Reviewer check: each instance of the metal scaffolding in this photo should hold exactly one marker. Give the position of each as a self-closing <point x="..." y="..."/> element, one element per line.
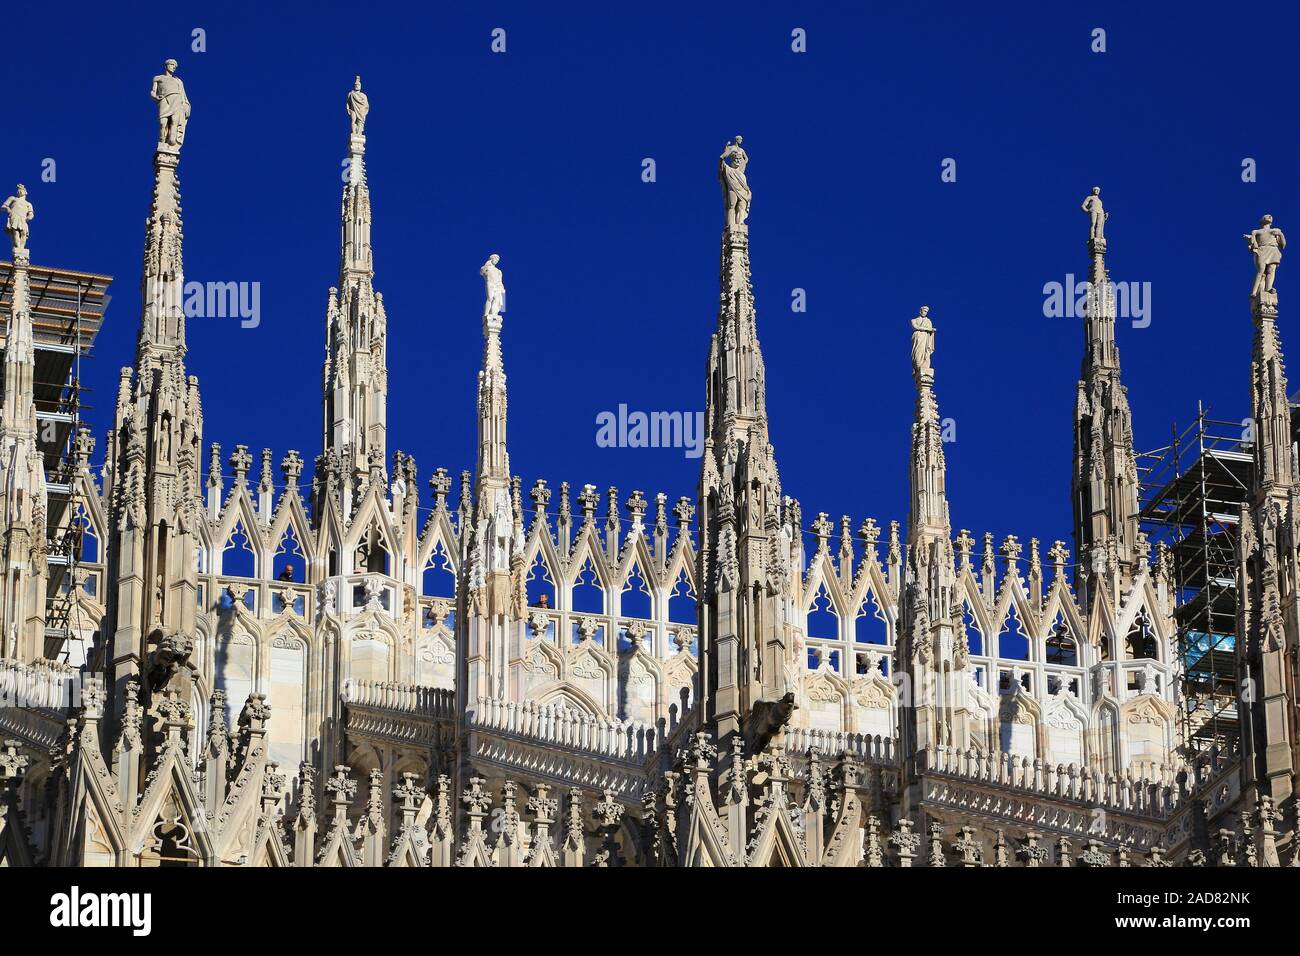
<point x="67" y="310"/>
<point x="1192" y="491"/>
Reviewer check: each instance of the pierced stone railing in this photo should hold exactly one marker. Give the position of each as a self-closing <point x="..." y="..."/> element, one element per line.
<point x="45" y="685"/>
<point x="874" y="749"/>
<point x="626" y="740"/>
<point x="1141" y="796"/>
<point x="415" y="699"/>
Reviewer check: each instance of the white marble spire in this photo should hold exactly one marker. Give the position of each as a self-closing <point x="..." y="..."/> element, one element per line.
<point x="1105" y="481"/>
<point x="356" y="352"/>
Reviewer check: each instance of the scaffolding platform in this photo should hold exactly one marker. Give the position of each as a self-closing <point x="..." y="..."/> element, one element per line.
<point x="67" y="310"/>
<point x="1192" y="492"/>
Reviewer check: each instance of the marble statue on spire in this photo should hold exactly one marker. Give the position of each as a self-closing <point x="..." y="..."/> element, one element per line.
<point x="358" y="108"/>
<point x="173" y="105"/>
<point x="20" y="213"/>
<point x="922" y="346"/>
<point x="1093" y="207"/>
<point x="735" y="187"/>
<point x="495" y="302"/>
<point x="1267" y="244"/>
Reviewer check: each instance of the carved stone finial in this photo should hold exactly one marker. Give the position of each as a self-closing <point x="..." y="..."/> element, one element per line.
<point x="684" y="511"/>
<point x="964" y="543"/>
<point x="240" y="462"/>
<point x="291" y="466"/>
<point x="13" y="764"/>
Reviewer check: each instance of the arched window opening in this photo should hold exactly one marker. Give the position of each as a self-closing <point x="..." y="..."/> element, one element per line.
<point x="636" y="595"/>
<point x="371" y="554"/>
<point x="681" y="601"/>
<point x="84" y="540"/>
<point x="439" y="579"/>
<point x="823" y="622"/>
<point x="1061" y="646"/>
<point x="1013" y="642"/>
<point x="289" y="562"/>
<point x="869" y="626"/>
<point x="237" y="557"/>
<point x="1141" y="640"/>
<point x="588" y="591"/>
<point x="540" y="584"/>
<point x="974" y="636"/>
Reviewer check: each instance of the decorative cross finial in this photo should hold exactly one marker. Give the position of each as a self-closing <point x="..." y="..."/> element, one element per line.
<point x="684" y="511"/>
<point x="84" y="447"/>
<point x="1058" y="555"/>
<point x="964" y="544"/>
<point x="291" y="467"/>
<point x="608" y="811"/>
<point x="542" y="806"/>
<point x="13" y="764"/>
<point x="240" y="462"/>
<point x="475" y="798"/>
<point x="341" y="786"/>
<point x="588" y="499"/>
<point x="821" y="527"/>
<point x="440" y="484"/>
<point x="541" y="496"/>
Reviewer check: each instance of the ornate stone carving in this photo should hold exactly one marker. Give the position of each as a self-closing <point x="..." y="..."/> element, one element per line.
<point x="173" y="106"/>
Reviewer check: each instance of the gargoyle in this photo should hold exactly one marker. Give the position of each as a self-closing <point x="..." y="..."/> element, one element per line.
<point x="766" y="719"/>
<point x="170" y="653"/>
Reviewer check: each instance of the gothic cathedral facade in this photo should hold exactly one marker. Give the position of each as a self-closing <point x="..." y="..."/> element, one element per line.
<point x="521" y="675"/>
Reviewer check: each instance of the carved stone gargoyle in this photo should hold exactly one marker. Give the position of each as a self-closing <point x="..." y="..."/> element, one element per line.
<point x="766" y="720"/>
<point x="170" y="653"/>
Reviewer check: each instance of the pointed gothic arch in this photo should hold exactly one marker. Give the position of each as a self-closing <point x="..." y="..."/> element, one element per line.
<point x="438" y="577"/>
<point x="1014" y="643"/>
<point x="289" y="560"/>
<point x="238" y="557"/>
<point x="588" y="589"/>
<point x="1141" y="642"/>
<point x="870" y="624"/>
<point x="636" y="599"/>
<point x="823" y="619"/>
<point x="539" y="584"/>
<point x="683" y="606"/>
<point x="1061" y="647"/>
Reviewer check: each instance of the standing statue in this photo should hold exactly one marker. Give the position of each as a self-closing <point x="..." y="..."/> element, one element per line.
<point x="500" y="533"/>
<point x="922" y="346"/>
<point x="358" y="107"/>
<point x="173" y="106"/>
<point x="495" y="303"/>
<point x="735" y="187"/>
<point x="1092" y="206"/>
<point x="20" y="214"/>
<point x="1267" y="244"/>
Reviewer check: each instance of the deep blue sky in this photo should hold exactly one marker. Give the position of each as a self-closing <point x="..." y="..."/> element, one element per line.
<point x="536" y="154"/>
